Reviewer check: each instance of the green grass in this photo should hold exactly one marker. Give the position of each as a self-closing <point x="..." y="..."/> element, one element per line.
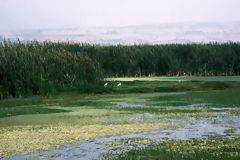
<point x="216" y="85"/>
<point x="14" y="102"/>
<point x="14" y="111"/>
<point x="87" y="103"/>
<point x="157" y="110"/>
<point x="71" y="98"/>
<point x="223" y="97"/>
<point x="216" y="98"/>
<point x="211" y="149"/>
<point x="171" y="86"/>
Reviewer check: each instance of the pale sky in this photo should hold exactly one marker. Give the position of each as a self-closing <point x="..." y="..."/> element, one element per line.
<point x="35" y="14"/>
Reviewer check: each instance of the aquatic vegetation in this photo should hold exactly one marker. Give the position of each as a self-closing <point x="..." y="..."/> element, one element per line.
<point x="44" y="123"/>
<point x="124" y="143"/>
<point x="16" y="140"/>
<point x="207" y="149"/>
<point x="233" y="132"/>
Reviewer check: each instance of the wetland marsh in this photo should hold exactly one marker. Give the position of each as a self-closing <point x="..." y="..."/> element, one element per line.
<point x="139" y="120"/>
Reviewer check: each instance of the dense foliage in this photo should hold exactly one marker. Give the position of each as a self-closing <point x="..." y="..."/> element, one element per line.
<point x="171" y="59"/>
<point x="43" y="67"/>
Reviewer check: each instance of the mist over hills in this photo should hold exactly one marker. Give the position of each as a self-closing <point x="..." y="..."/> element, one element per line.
<point x="188" y="32"/>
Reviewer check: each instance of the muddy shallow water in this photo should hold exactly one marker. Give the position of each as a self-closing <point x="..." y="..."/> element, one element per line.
<point x="191" y="127"/>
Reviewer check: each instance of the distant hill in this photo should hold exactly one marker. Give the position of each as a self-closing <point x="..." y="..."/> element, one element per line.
<point x="151" y="34"/>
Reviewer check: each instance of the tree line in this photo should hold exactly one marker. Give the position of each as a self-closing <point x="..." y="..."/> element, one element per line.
<point x="43" y="67"/>
<point x="170" y="59"/>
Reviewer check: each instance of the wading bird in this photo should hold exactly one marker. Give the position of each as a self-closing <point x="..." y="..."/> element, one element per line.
<point x="106" y="84"/>
<point x="119" y="84"/>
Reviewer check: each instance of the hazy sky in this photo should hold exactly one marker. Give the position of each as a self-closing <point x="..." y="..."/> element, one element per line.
<point x="25" y="14"/>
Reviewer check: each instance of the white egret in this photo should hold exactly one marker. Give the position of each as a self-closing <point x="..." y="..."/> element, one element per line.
<point x="119" y="84"/>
